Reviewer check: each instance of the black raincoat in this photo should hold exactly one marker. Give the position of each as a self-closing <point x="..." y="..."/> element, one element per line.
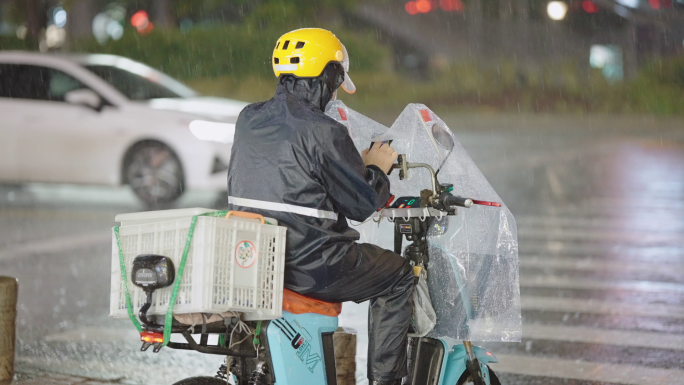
<point x="293" y="163"/>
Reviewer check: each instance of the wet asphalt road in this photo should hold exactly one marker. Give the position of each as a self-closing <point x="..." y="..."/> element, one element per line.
<point x="599" y="203"/>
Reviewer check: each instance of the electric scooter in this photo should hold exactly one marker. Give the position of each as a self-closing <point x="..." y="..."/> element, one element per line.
<point x="298" y="349"/>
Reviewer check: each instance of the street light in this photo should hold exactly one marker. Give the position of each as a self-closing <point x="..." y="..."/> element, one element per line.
<point x="557" y="10"/>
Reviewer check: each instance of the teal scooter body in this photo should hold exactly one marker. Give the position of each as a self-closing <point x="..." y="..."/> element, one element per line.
<point x="454" y="363"/>
<point x="301" y="348"/>
<point x="302" y="353"/>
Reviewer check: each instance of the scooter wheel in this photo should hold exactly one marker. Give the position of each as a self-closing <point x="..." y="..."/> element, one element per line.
<point x="467" y="379"/>
<point x="201" y="381"/>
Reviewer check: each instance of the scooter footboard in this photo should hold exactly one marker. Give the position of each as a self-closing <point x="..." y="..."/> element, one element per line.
<point x="302" y="349"/>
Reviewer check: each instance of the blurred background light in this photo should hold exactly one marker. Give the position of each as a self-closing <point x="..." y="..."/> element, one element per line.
<point x="105" y="27"/>
<point x="607" y="58"/>
<point x="415" y="7"/>
<point x="141" y="21"/>
<point x="655" y="4"/>
<point x="114" y="30"/>
<point x="590" y="7"/>
<point x="411" y="8"/>
<point x="22" y="31"/>
<point x="557" y="10"/>
<point x="424" y="6"/>
<point x="622" y="11"/>
<point x="451" y="5"/>
<point x="186" y="24"/>
<point x="629" y="3"/>
<point x="54" y="36"/>
<point x="60" y="17"/>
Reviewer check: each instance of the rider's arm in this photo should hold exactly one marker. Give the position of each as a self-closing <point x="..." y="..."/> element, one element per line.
<point x="357" y="191"/>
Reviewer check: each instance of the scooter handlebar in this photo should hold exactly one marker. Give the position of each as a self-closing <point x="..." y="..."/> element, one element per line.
<point x="451" y="200"/>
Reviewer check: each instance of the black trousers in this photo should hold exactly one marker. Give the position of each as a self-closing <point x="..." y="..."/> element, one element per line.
<point x="386" y="279"/>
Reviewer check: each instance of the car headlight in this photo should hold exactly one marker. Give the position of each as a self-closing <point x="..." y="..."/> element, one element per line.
<point x="213" y="131"/>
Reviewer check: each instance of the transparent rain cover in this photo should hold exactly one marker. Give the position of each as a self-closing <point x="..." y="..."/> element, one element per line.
<point x="473" y="268"/>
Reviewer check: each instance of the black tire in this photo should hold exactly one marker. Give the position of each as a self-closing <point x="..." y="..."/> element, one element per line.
<point x="201" y="381"/>
<point x="154" y="173"/>
<point x="465" y="378"/>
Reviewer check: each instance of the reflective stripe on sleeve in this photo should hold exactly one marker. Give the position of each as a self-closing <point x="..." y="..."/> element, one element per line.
<point x="263" y="205"/>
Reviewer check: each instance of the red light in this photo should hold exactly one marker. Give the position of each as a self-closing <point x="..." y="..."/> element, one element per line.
<point x="589" y="7"/>
<point x="140" y="19"/>
<point x="423" y="6"/>
<point x="147" y="30"/>
<point x="151" y="338"/>
<point x="451" y="5"/>
<point x="411" y="8"/>
<point x="655" y="4"/>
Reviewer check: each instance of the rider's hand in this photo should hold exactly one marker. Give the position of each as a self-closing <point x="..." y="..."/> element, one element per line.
<point x="380" y="155"/>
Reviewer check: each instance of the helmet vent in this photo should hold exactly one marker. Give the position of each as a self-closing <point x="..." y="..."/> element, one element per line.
<point x="299" y="45"/>
<point x="294" y="60"/>
<point x="277" y="45"/>
<point x="287" y="43"/>
<point x="276" y="60"/>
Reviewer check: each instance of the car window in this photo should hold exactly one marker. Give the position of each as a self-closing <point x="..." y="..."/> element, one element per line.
<point x="133" y="86"/>
<point x="21" y="81"/>
<point x="61" y="84"/>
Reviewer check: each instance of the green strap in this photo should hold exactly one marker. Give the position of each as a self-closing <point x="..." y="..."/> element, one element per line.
<point x="257" y="332"/>
<point x="124" y="279"/>
<point x="168" y="320"/>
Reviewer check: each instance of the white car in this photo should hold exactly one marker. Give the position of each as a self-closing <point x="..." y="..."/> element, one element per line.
<point x="105" y="119"/>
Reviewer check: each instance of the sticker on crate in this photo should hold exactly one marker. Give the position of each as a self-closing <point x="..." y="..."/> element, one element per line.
<point x="245" y="254"/>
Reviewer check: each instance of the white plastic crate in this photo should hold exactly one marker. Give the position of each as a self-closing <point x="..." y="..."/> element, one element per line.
<point x="233" y="265"/>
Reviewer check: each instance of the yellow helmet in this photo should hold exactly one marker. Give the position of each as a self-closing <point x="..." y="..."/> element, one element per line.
<point x="305" y="53"/>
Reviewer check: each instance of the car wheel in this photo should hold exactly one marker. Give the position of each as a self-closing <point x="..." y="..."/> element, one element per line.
<point x="155" y="173"/>
<point x="201" y="381"/>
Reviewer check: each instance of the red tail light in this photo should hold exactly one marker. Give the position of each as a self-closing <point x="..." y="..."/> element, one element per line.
<point x="152" y="337"/>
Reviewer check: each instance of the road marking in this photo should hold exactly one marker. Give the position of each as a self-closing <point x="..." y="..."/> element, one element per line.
<point x="650" y="253"/>
<point x="599" y="223"/>
<point x="590" y="306"/>
<point x="592" y="264"/>
<point x="586" y="371"/>
<point x="604" y="336"/>
<point x="57" y="244"/>
<point x="98" y="195"/>
<point x="631" y="236"/>
<point x="554" y="281"/>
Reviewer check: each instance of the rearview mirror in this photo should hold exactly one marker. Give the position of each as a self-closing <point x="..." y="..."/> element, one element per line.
<point x="84" y="97"/>
<point x="442" y="136"/>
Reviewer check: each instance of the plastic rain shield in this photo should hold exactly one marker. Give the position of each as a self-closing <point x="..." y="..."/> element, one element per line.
<point x="473" y="268"/>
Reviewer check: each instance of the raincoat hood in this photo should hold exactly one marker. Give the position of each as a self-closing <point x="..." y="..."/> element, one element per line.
<point x="317" y="91"/>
